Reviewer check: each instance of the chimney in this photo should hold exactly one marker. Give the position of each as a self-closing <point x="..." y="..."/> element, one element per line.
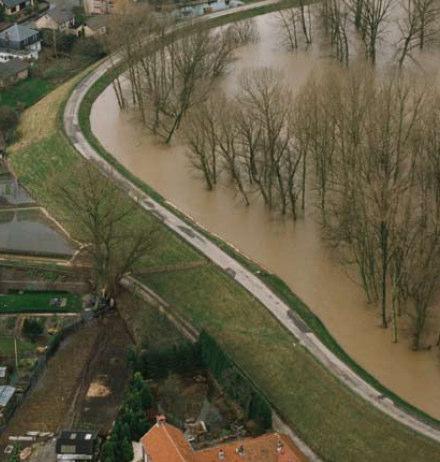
<point x="221" y="455"/>
<point x="280" y="447"/>
<point x="240" y="450"/>
<point x="160" y="420"/>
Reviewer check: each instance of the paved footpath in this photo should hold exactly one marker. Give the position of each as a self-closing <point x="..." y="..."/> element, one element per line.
<point x="246" y="278"/>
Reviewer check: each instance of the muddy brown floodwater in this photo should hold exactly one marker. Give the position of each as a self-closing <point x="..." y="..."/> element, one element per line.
<point x="293" y="252"/>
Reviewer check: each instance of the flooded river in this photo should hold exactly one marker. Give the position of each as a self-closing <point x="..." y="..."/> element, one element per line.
<point x="292" y="251"/>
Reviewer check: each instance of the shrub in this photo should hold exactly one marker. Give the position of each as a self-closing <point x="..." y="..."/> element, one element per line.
<point x="237" y="386"/>
<point x="89" y="48"/>
<point x="32" y="328"/>
<point x="8" y="121"/>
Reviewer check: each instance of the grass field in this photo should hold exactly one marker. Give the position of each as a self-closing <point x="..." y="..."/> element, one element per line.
<point x="337" y="424"/>
<point x="7" y="347"/>
<point x="39" y="302"/>
<point x="26" y="93"/>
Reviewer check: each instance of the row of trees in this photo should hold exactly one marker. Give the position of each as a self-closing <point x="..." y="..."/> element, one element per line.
<point x="368" y="150"/>
<point x="170" y="71"/>
<point x="249" y="140"/>
<point x="348" y="21"/>
<point x="374" y="151"/>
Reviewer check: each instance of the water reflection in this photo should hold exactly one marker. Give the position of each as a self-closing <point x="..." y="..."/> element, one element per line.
<point x="30" y="232"/>
<point x="12" y="193"/>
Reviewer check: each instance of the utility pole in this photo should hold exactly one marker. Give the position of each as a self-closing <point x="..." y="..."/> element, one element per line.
<point x="16" y="353"/>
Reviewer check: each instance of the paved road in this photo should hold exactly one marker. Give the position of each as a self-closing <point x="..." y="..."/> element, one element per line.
<point x="243" y="276"/>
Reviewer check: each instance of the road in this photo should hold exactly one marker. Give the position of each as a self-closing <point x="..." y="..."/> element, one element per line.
<point x="242" y="276"/>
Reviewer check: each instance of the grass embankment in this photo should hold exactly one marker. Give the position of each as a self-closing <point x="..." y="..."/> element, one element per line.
<point x="339" y="425"/>
<point x="40" y="302"/>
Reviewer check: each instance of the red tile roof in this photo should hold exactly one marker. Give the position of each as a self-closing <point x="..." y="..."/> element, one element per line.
<point x="165" y="443"/>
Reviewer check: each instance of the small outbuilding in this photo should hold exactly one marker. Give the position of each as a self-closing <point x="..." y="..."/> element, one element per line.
<point x="3" y="369"/>
<point x="7" y="403"/>
<point x="76" y="445"/>
<point x="13" y="71"/>
<point x="93" y="26"/>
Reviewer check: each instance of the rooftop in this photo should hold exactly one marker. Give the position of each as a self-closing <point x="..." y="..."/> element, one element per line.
<point x="9" y="69"/>
<point x="11" y="3"/>
<point x="97" y="21"/>
<point x="17" y="33"/>
<point x="166" y="443"/>
<point x="6" y="393"/>
<point x="60" y="15"/>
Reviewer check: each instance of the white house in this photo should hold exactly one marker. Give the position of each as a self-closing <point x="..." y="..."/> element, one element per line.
<point x="20" y="42"/>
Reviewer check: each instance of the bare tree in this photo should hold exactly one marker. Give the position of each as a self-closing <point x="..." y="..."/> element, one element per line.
<point x="200" y="133"/>
<point x="369" y="17"/>
<point x="115" y="234"/>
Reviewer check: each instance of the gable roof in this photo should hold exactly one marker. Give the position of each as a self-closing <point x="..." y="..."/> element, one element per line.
<point x="9" y="69"/>
<point x="165" y="443"/>
<point x="60" y="15"/>
<point x="17" y="33"/>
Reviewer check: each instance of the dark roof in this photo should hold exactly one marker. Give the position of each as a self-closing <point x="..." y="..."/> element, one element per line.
<point x="12" y="67"/>
<point x="97" y="21"/>
<point x="11" y="3"/>
<point x="75" y="442"/>
<point x="17" y="33"/>
<point x="60" y="15"/>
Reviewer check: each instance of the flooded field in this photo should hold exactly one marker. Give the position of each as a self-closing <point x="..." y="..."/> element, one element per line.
<point x="24" y="227"/>
<point x="29" y="231"/>
<point x="294" y="252"/>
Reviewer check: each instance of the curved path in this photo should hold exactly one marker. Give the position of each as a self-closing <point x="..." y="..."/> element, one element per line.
<point x="244" y="277"/>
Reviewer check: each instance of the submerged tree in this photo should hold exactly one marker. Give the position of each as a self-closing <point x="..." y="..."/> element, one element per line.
<point x="373" y="146"/>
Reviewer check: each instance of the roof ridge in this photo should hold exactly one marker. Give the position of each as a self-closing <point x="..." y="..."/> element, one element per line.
<point x="165" y="425"/>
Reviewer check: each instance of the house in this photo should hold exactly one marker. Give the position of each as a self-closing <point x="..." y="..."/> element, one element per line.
<point x="76" y="445"/>
<point x="15" y="6"/>
<point x="12" y="71"/>
<point x="19" y="41"/>
<point x="7" y="403"/>
<point x="60" y="19"/>
<point x="94" y="25"/>
<point x="166" y="443"/>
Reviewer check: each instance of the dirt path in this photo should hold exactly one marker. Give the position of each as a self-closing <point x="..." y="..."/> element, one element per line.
<point x="104" y="380"/>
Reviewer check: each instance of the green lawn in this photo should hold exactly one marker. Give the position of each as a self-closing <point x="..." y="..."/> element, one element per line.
<point x="7" y="347"/>
<point x="39" y="302"/>
<point x="25" y="93"/>
<point x="337" y="424"/>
